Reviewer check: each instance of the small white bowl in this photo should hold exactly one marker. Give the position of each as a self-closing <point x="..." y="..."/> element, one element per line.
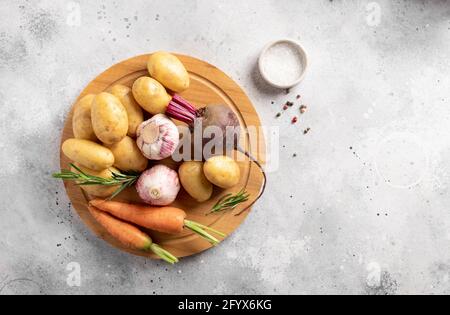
<point x="303" y="59"/>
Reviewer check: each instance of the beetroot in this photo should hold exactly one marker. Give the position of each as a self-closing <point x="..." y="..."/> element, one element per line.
<point x="215" y="116"/>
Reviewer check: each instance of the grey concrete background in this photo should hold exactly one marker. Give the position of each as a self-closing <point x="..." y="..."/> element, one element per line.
<point x="373" y="219"/>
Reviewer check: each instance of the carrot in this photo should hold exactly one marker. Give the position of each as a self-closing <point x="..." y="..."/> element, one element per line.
<point x="168" y="220"/>
<point x="129" y="235"/>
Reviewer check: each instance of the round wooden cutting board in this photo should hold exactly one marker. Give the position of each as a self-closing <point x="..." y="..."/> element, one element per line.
<point x="209" y="85"/>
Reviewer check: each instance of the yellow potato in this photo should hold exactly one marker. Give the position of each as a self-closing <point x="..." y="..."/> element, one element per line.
<point x="151" y="95"/>
<point x="169" y="71"/>
<point x="81" y="120"/>
<point x="127" y="156"/>
<point x="134" y="111"/>
<point x="109" y="118"/>
<point x="222" y="171"/>
<point x="98" y="190"/>
<point x="194" y="181"/>
<point x="89" y="154"/>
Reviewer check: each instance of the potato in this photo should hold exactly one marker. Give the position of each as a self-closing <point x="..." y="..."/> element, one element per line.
<point x="127" y="156"/>
<point x="134" y="111"/>
<point x="169" y="71"/>
<point x="194" y="181"/>
<point x="222" y="171"/>
<point x="109" y="118"/>
<point x="89" y="154"/>
<point x="151" y="95"/>
<point x="81" y="120"/>
<point x="98" y="190"/>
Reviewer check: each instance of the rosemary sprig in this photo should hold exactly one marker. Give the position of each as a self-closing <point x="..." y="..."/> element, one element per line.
<point x="230" y="201"/>
<point x="124" y="180"/>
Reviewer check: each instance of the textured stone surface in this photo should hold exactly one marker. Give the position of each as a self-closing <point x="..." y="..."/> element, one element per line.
<point x="362" y="208"/>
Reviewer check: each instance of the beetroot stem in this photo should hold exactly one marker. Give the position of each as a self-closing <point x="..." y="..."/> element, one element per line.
<point x="177" y="113"/>
<point x="185" y="104"/>
<point x="181" y="110"/>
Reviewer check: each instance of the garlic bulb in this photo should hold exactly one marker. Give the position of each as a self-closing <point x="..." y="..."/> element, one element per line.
<point x="158" y="186"/>
<point x="158" y="137"/>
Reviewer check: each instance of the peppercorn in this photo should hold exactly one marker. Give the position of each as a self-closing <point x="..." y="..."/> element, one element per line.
<point x="303" y="109"/>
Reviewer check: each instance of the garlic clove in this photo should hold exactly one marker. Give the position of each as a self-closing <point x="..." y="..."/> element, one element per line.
<point x="157" y="137"/>
<point x="158" y="186"/>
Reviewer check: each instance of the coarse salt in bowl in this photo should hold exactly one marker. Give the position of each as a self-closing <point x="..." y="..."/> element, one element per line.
<point x="283" y="63"/>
